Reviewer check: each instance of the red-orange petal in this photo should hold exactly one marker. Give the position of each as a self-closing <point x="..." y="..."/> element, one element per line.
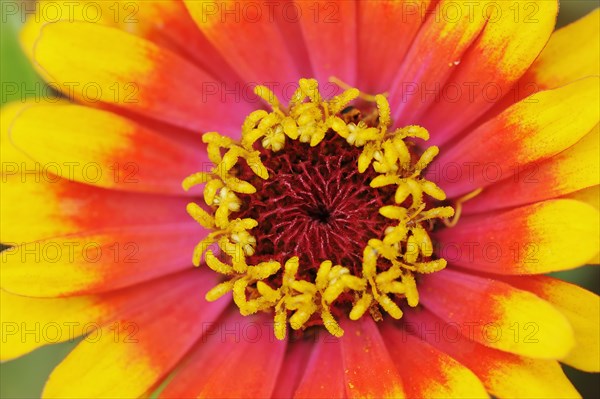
<point x="293" y="366"/>
<point x="514" y="35"/>
<point x="380" y="25"/>
<point x="555" y="67"/>
<point x="169" y="24"/>
<point x="166" y="23"/>
<point x="100" y="148"/>
<point x="572" y="170"/>
<point x="369" y="370"/>
<point x="138" y="76"/>
<point x="580" y="307"/>
<point x="41" y="206"/>
<point x="249" y="37"/>
<point x="330" y="34"/>
<point x="324" y="375"/>
<point x="534" y="239"/>
<point x="428" y="372"/>
<point x="129" y="355"/>
<point x="33" y="322"/>
<point x="97" y="261"/>
<point x="503" y="374"/>
<point x="441" y="42"/>
<point x="532" y="130"/>
<point x="237" y="357"/>
<point x="489" y="311"/>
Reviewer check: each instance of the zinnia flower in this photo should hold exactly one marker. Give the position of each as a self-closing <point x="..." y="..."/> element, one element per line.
<point x="373" y="194"/>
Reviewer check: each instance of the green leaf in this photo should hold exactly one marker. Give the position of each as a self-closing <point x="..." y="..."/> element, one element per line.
<point x="17" y="76"/>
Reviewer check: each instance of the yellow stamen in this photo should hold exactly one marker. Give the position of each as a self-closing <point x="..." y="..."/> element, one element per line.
<point x="293" y="299"/>
<point x="346" y="86"/>
<point x="458" y="206"/>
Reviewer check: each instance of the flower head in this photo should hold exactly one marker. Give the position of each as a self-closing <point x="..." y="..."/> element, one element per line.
<point x="348" y="244"/>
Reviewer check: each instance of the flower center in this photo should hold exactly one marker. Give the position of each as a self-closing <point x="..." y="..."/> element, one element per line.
<point x="318" y="211"/>
<point x="315" y="205"/>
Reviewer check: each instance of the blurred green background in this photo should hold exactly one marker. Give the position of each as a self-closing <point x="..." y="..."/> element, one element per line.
<point x="25" y="377"/>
